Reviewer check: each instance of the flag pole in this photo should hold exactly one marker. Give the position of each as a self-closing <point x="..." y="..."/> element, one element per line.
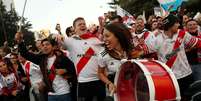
<point x="21" y="19"/>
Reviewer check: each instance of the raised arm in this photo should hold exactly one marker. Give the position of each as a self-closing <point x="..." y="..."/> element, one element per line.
<point x="191" y="42"/>
<point x="35" y="58"/>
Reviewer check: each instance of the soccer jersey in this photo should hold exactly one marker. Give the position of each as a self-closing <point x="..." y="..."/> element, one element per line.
<point x="83" y="52"/>
<point x="33" y="72"/>
<point x="9" y="82"/>
<point x="60" y="84"/>
<point x="106" y="61"/>
<point x="144" y="37"/>
<point x="163" y="45"/>
<point x="194" y="55"/>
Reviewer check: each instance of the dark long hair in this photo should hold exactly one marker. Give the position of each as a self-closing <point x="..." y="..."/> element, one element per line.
<point x="122" y="33"/>
<point x="8" y="63"/>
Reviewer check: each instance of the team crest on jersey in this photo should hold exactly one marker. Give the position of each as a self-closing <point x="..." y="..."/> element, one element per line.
<point x="111" y="63"/>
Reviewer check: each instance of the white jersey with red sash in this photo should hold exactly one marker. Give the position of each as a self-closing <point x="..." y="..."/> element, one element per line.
<point x="83" y="52"/>
<point x="59" y="84"/>
<point x="178" y="42"/>
<point x="141" y="39"/>
<point x="198" y="51"/>
<point x="164" y="47"/>
<point x="33" y="72"/>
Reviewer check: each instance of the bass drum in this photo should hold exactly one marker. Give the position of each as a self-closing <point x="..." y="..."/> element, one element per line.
<point x="146" y="80"/>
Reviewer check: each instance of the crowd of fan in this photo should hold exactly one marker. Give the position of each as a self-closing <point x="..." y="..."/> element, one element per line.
<point x="25" y="74"/>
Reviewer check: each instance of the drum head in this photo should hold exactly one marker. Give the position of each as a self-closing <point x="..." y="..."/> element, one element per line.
<point x="131" y="83"/>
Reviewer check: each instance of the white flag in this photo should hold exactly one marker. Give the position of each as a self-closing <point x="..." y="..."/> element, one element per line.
<point x="122" y="12"/>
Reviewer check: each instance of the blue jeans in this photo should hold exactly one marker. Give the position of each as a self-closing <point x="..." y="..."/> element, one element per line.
<point x="65" y="97"/>
<point x="196" y="71"/>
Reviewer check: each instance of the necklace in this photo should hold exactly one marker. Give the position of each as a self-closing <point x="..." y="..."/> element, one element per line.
<point x="121" y="55"/>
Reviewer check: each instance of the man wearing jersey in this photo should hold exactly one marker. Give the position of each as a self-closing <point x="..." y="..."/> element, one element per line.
<point x="83" y="48"/>
<point x="57" y="69"/>
<point x="170" y="47"/>
<point x="141" y="35"/>
<point x="34" y="77"/>
<point x="194" y="55"/>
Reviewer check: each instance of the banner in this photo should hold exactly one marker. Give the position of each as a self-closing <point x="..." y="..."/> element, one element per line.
<point x="170" y="5"/>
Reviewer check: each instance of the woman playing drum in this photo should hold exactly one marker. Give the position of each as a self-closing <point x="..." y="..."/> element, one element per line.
<point x="118" y="45"/>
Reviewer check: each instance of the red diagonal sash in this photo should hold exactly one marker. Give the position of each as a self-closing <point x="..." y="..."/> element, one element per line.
<point x="27" y="70"/>
<point x="51" y="73"/>
<point x="178" y="42"/>
<point x="145" y="35"/>
<point x="84" y="60"/>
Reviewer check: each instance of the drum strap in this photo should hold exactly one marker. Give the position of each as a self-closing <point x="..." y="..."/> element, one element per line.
<point x="177" y="44"/>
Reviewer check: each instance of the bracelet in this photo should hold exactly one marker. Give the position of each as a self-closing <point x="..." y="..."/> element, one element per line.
<point x="107" y="85"/>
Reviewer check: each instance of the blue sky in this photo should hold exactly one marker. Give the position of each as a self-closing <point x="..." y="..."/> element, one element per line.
<point x="44" y="14"/>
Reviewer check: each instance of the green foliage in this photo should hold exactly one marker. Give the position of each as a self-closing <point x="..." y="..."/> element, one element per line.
<point x="9" y="25"/>
<point x="136" y="7"/>
<point x="193" y="5"/>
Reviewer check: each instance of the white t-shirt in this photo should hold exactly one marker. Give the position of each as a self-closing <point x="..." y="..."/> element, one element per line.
<point x="164" y="46"/>
<point x="77" y="48"/>
<point x="60" y="85"/>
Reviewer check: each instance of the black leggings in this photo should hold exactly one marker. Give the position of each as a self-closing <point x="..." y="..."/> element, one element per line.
<point x="184" y="84"/>
<point x="90" y="90"/>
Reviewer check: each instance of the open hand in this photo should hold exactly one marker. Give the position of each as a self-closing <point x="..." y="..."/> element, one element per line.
<point x="14" y="93"/>
<point x="60" y="71"/>
<point x="18" y="37"/>
<point x="136" y="53"/>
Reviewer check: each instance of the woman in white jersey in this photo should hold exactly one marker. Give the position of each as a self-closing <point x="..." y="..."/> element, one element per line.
<point x="118" y="45"/>
<point x="8" y="82"/>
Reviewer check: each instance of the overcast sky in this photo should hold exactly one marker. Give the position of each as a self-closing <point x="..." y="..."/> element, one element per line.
<point x="44" y="14"/>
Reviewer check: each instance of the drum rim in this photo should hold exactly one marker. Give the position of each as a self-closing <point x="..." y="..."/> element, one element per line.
<point x="147" y="75"/>
<point x="148" y="78"/>
<point x="174" y="79"/>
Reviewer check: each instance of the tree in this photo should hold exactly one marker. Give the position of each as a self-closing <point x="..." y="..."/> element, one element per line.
<point x="193" y="6"/>
<point x="9" y="26"/>
<point x="136" y="7"/>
